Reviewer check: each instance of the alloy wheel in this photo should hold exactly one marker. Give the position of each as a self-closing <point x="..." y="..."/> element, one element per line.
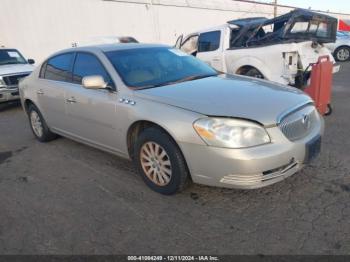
<point x="156" y="163"/>
<point x="36" y="124"/>
<point x="343" y="54"/>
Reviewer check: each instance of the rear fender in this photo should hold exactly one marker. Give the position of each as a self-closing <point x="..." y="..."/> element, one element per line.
<point x="252" y="62"/>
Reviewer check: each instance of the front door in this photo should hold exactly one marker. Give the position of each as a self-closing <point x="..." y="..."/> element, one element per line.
<point x="92" y="113"/>
<point x="210" y="50"/>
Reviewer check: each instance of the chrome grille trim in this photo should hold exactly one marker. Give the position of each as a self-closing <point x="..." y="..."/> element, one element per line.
<point x="300" y="123"/>
<point x="293" y="110"/>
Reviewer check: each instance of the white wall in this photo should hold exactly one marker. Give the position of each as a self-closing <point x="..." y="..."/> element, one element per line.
<point x="41" y="27"/>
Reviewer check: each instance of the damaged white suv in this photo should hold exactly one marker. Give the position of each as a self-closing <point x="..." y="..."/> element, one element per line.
<point x="13" y="67"/>
<point x="279" y="49"/>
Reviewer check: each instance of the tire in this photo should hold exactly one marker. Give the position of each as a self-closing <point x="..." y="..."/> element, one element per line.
<point x="154" y="167"/>
<point x="342" y="54"/>
<point x="38" y="125"/>
<point x="254" y="73"/>
<point x="329" y="110"/>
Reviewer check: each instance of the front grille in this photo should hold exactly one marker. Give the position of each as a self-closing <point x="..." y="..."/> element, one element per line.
<point x="13" y="80"/>
<point x="299" y="124"/>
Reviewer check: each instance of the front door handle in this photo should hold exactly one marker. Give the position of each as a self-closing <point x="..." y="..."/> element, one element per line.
<point x="216" y="59"/>
<point x="71" y="100"/>
<point x="40" y="92"/>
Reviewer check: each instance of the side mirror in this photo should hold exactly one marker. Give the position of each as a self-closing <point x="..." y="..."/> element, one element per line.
<point x="94" y="82"/>
<point x="31" y="61"/>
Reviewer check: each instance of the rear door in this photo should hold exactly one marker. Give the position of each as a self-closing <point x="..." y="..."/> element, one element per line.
<point x="92" y="113"/>
<point x="210" y="49"/>
<point x="51" y="87"/>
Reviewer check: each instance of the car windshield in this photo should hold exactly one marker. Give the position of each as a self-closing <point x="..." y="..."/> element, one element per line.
<point x="11" y="56"/>
<point x="157" y="66"/>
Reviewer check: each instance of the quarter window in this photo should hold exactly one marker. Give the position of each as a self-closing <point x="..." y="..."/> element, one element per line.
<point x="58" y="68"/>
<point x="209" y="41"/>
<point x="88" y="65"/>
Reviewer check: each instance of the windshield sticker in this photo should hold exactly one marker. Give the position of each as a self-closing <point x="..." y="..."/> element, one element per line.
<point x="178" y="52"/>
<point x="13" y="54"/>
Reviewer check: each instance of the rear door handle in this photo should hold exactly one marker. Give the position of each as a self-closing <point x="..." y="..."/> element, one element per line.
<point x="216" y="59"/>
<point x="40" y="92"/>
<point x="71" y="100"/>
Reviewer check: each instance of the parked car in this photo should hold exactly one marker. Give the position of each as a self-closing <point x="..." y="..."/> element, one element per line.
<point x="176" y="117"/>
<point x="279" y="49"/>
<point x="341" y="48"/>
<point x="13" y="67"/>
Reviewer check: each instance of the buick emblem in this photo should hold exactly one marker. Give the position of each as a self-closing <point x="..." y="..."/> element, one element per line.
<point x="306" y="121"/>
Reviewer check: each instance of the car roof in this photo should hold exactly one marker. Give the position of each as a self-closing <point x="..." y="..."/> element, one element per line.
<point x="7" y="48"/>
<point x="110" y="47"/>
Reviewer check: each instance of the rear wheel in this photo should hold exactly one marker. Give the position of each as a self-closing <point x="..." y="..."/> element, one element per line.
<point x="38" y="125"/>
<point x="254" y="73"/>
<point x="342" y="54"/>
<point x="160" y="162"/>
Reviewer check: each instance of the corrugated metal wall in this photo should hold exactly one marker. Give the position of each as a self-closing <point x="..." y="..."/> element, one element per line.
<point x="40" y="27"/>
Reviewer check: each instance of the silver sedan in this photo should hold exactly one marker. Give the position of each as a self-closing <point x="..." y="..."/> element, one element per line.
<point x="174" y="116"/>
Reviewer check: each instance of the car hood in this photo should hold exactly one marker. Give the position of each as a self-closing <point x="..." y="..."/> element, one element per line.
<point x="14" y="69"/>
<point x="230" y="96"/>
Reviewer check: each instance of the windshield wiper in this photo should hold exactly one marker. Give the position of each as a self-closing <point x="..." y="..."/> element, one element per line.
<point x="149" y="86"/>
<point x="188" y="78"/>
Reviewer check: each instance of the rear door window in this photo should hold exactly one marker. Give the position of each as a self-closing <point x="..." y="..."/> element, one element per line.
<point x="209" y="41"/>
<point x="58" y="68"/>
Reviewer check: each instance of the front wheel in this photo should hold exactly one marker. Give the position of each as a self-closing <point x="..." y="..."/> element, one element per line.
<point x="160" y="162"/>
<point x="38" y="125"/>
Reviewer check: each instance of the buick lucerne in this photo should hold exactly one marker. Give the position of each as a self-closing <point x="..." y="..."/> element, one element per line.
<point x="177" y="118"/>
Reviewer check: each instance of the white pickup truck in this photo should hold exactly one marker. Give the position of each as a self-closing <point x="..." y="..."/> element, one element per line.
<point x="279" y="49"/>
<point x="13" y="67"/>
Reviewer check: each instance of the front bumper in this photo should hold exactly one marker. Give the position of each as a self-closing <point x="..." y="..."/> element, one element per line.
<point x="251" y="167"/>
<point x="9" y="94"/>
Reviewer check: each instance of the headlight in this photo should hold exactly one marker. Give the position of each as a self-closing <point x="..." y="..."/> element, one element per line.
<point x="2" y="83"/>
<point x="231" y="133"/>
